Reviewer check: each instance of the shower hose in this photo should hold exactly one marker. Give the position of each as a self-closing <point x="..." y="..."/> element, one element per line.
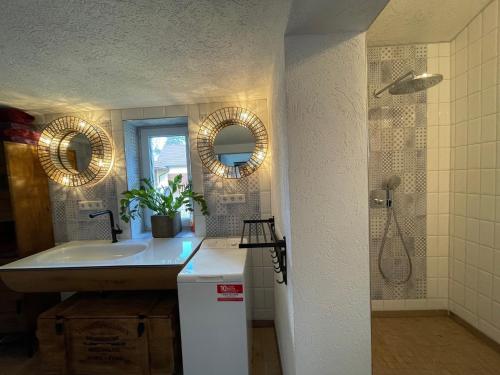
<point x="391" y="213"/>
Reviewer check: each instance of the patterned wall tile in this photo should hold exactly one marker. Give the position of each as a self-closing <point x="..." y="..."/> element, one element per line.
<point x="375" y="139"/>
<point x="406" y="204"/>
<point x="68" y="221"/>
<point x="386" y="53"/>
<point x="227" y="219"/>
<point x="410" y="160"/>
<point x="420" y="138"/>
<point x="386" y="139"/>
<point x="420" y="65"/>
<point x="398" y="137"/>
<point x="374" y="54"/>
<point x="421" y="159"/>
<point x="421" y="115"/>
<point x="398" y="162"/>
<point x="374" y="73"/>
<point x="421" y="51"/>
<point x="409" y="137"/>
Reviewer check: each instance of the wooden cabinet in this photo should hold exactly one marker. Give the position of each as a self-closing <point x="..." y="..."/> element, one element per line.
<point x="25" y="229"/>
<point x="24" y="195"/>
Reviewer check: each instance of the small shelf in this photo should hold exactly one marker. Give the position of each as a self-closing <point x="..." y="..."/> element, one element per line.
<point x="261" y="233"/>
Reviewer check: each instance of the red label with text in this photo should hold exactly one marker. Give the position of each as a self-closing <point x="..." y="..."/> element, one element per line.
<point x="230" y="292"/>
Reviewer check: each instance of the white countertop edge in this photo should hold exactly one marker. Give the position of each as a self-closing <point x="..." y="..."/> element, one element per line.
<point x="160" y="252"/>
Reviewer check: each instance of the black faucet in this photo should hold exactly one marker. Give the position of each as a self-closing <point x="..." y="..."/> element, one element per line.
<point x="114" y="231"/>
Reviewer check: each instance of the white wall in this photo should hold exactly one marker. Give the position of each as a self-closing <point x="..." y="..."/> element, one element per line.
<point x="438" y="177"/>
<point x="326" y="83"/>
<point x="280" y="205"/>
<point x="475" y="208"/>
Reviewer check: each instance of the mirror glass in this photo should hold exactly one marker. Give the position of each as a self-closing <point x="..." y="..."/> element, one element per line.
<point x="79" y="152"/>
<point x="234" y="145"/>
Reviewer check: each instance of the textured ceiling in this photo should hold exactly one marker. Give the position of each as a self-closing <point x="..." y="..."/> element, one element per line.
<point x="330" y="16"/>
<point x="63" y="55"/>
<point x="419" y="21"/>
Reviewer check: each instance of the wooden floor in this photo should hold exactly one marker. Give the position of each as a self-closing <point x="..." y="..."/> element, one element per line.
<point x="265" y="359"/>
<point x="401" y="346"/>
<point x="429" y="346"/>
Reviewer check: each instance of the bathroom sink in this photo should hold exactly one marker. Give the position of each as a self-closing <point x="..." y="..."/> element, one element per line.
<point x="80" y="253"/>
<point x="99" y="265"/>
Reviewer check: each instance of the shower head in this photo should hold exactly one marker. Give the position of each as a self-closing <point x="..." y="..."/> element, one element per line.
<point x="416" y="83"/>
<point x="410" y="83"/>
<point x="393" y="182"/>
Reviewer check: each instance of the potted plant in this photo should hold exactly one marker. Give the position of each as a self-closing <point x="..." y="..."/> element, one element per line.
<point x="165" y="203"/>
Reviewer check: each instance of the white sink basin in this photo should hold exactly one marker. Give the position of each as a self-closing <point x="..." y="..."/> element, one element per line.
<point x="99" y="265"/>
<point x="92" y="252"/>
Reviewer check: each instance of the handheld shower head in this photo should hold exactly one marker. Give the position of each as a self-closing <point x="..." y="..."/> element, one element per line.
<point x="393" y="182"/>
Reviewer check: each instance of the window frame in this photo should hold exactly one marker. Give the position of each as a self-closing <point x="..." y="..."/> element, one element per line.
<point x="145" y="133"/>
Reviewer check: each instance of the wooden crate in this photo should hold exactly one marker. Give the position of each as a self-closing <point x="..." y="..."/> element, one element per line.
<point x="122" y="333"/>
<point x="51" y="339"/>
<point x="164" y="328"/>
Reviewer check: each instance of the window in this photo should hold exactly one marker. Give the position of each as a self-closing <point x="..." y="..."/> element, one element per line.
<point x="164" y="155"/>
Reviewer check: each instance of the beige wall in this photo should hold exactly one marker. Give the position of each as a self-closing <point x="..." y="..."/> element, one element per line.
<point x="475" y="187"/>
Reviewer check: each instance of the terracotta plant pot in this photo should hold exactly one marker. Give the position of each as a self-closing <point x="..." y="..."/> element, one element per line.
<point x="164" y="227"/>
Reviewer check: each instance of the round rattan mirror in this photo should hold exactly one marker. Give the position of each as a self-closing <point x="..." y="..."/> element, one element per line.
<point x="232" y="142"/>
<point x="74" y="152"/>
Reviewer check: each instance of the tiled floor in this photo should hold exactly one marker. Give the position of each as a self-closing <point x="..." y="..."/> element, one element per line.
<point x="265" y="357"/>
<point x="429" y="346"/>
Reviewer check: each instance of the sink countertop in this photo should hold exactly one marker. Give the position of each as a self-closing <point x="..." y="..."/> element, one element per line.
<point x="159" y="252"/>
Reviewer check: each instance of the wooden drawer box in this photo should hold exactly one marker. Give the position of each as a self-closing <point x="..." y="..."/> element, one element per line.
<point x="122" y="333"/>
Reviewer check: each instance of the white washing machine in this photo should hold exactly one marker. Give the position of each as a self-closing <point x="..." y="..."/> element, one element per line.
<point x="215" y="310"/>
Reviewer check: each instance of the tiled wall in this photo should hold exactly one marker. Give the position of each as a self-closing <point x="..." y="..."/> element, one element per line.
<point x="131" y="145"/>
<point x="463" y="177"/>
<point x="475" y="188"/>
<point x="431" y="196"/>
<point x="131" y="142"/>
<point x="438" y="177"/>
<point x="397" y="138"/>
<point x="70" y="224"/>
<point x="227" y="219"/>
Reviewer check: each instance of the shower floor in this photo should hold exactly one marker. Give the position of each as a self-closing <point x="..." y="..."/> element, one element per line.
<point x="434" y="345"/>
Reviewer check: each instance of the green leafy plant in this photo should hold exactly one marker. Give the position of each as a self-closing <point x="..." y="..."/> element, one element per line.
<point x="162" y="201"/>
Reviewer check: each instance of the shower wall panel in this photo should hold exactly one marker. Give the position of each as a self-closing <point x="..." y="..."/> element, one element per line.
<point x="398" y="146"/>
